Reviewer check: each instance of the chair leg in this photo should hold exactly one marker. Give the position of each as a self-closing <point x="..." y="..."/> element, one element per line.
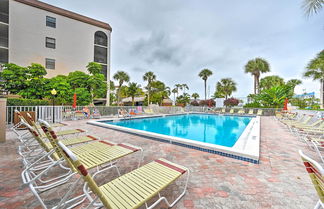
<point x="318" y="205"/>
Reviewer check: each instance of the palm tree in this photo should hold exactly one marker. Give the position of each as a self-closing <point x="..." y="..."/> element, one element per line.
<point x="121" y="77"/>
<point x="204" y="74"/>
<point x="312" y="6"/>
<point x="227" y="86"/>
<point x="271" y="81"/>
<point x="133" y="91"/>
<point x="256" y="67"/>
<point x="195" y="96"/>
<point x="174" y="91"/>
<point x="149" y="77"/>
<point x="315" y="70"/>
<point x="293" y="83"/>
<point x="178" y="87"/>
<point x="184" y="87"/>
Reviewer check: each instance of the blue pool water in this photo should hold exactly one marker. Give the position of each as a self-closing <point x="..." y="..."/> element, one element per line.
<point x="213" y="129"/>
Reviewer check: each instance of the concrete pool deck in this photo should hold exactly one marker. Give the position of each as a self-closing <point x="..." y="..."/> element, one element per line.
<point x="279" y="181"/>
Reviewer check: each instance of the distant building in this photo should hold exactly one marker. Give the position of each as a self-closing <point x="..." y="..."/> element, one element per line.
<point x="305" y="95"/>
<point x="35" y="32"/>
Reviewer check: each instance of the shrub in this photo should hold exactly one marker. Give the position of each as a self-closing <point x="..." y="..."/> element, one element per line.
<point x="208" y="102"/>
<point x="194" y="103"/>
<point x="26" y="102"/>
<point x="252" y="105"/>
<point x="231" y="102"/>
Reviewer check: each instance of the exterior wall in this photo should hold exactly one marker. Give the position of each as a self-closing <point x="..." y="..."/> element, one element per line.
<point x="74" y="40"/>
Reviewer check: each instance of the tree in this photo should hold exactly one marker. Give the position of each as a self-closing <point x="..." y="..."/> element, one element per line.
<point x="174" y="91"/>
<point x="195" y="96"/>
<point x="63" y="88"/>
<point x="96" y="85"/>
<point x="204" y="74"/>
<point x="94" y="68"/>
<point x="315" y="70"/>
<point x="83" y="96"/>
<point x="226" y="86"/>
<point x="149" y="77"/>
<point x="78" y="79"/>
<point x="15" y="78"/>
<point x="178" y="87"/>
<point x="121" y="77"/>
<point x="256" y="67"/>
<point x="271" y="81"/>
<point x="293" y="83"/>
<point x="231" y="102"/>
<point x="159" y="92"/>
<point x="184" y="87"/>
<point x="133" y="90"/>
<point x="183" y="99"/>
<point x="312" y="6"/>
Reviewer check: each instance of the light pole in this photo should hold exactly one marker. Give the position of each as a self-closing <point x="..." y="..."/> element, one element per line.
<point x="53" y="92"/>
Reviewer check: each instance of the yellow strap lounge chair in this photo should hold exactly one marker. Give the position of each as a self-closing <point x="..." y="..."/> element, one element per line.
<point x="231" y="111"/>
<point x="133" y="189"/>
<point x="260" y="112"/>
<point x="101" y="155"/>
<point x="241" y="112"/>
<point x="59" y="133"/>
<point x="251" y="112"/>
<point x="223" y="111"/>
<point x="316" y="173"/>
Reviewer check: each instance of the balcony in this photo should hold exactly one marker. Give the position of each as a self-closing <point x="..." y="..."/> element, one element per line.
<point x="4" y="11"/>
<point x="4" y="36"/>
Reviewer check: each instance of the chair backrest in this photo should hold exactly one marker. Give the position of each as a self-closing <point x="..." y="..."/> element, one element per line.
<point x="75" y="164"/>
<point x="231" y="110"/>
<point x="251" y="112"/>
<point x="259" y="112"/>
<point x="317" y="122"/>
<point x="316" y="173"/>
<point x="30" y="118"/>
<point x="52" y="137"/>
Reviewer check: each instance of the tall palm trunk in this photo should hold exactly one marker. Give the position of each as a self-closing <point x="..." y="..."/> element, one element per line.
<point x="205" y="85"/>
<point x="133" y="101"/>
<point x="322" y="93"/>
<point x="258" y="84"/>
<point x="174" y="99"/>
<point x="255" y="86"/>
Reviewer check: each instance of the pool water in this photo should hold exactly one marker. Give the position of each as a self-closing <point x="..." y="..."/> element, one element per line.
<point x="214" y="129"/>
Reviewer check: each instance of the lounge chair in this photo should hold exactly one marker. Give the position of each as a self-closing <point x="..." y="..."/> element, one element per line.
<point x="241" y="112"/>
<point x="299" y="121"/>
<point x="148" y="111"/>
<point x="316" y="173"/>
<point x="260" y="112"/>
<point x="98" y="155"/>
<point x="251" y="112"/>
<point x="122" y="113"/>
<point x="231" y="111"/>
<point x="133" y="189"/>
<point x="96" y="114"/>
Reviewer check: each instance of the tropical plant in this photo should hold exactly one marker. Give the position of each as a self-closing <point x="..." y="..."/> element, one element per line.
<point x="274" y="97"/>
<point x="271" y="81"/>
<point x="97" y="86"/>
<point x="204" y="74"/>
<point x="121" y="77"/>
<point x="178" y="87"/>
<point x="231" y="102"/>
<point x="226" y="86"/>
<point x="315" y="70"/>
<point x="133" y="90"/>
<point x="84" y="97"/>
<point x="63" y="88"/>
<point x="256" y="67"/>
<point x="149" y="77"/>
<point x="183" y="99"/>
<point x="78" y="79"/>
<point x="159" y="92"/>
<point x="312" y="6"/>
<point x="195" y="96"/>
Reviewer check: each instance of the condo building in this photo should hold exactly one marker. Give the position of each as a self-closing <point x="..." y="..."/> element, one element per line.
<point x="62" y="41"/>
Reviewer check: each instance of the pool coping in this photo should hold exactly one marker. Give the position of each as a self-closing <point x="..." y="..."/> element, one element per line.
<point x="246" y="148"/>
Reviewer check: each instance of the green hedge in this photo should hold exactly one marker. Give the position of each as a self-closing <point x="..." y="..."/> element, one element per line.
<point x="26" y="102"/>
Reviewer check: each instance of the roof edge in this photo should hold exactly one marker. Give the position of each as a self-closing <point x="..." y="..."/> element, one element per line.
<point x="66" y="13"/>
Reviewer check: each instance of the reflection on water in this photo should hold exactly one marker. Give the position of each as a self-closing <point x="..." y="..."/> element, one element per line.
<point x="214" y="129"/>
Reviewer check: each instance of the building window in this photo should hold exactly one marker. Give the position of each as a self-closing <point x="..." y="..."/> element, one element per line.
<point x="50" y="63"/>
<point x="50" y="42"/>
<point x="101" y="39"/>
<point x="100" y="54"/>
<point x="51" y="21"/>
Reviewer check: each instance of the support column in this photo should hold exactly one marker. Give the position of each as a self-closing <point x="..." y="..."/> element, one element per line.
<point x="3" y="105"/>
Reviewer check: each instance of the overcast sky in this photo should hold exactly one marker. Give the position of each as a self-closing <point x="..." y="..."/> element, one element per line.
<point x="177" y="38"/>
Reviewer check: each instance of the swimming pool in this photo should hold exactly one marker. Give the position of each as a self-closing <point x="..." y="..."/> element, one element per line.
<point x="213" y="129"/>
<point x="228" y="135"/>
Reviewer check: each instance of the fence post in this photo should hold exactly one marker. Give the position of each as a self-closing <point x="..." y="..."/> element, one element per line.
<point x="3" y="108"/>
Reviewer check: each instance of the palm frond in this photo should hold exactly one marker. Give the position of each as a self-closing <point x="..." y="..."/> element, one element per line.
<point x="312" y="6"/>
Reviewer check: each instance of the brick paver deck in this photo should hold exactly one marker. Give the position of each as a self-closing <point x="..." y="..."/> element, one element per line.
<point x="279" y="181"/>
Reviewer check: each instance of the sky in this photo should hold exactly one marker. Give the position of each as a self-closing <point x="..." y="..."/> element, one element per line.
<point x="177" y="38"/>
